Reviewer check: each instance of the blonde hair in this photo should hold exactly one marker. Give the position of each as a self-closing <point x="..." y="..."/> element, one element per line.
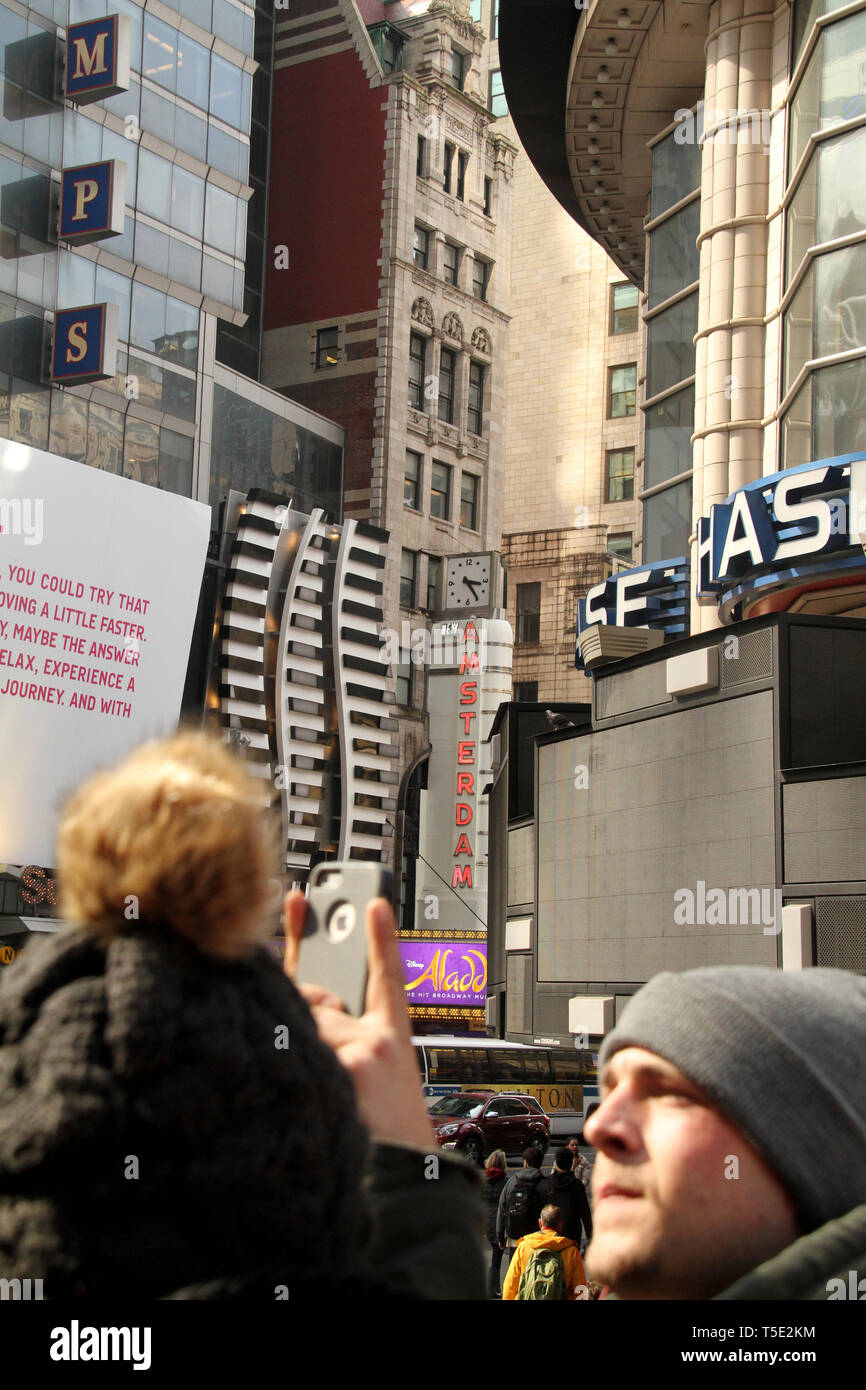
<point x="177" y="834"/>
<point x="497" y="1159"/>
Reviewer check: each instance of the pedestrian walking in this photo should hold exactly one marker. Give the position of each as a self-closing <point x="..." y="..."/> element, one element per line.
<point x="582" y="1165"/>
<point x="565" y="1191"/>
<point x="495" y="1178"/>
<point x="519" y="1203"/>
<point x="546" y="1265"/>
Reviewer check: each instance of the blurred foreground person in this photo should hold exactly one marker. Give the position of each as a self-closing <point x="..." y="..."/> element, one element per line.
<point x="716" y="1085"/>
<point x="546" y="1264"/>
<point x="165" y="1095"/>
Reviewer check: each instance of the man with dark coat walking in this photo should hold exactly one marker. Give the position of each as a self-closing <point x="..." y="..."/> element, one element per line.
<point x="562" y="1189"/>
<point x="519" y="1203"/>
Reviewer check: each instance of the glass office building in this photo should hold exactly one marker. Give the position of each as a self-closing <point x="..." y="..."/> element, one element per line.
<point x="177" y="271"/>
<point x="186" y="287"/>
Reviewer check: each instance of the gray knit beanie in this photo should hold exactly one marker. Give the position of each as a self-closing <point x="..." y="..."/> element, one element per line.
<point x="783" y="1054"/>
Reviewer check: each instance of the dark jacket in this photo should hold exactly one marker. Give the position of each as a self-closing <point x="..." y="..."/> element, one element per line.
<point x="823" y="1266"/>
<point x="424" y="1244"/>
<point x="494" y="1181"/>
<point x="567" y="1192"/>
<point x="532" y="1177"/>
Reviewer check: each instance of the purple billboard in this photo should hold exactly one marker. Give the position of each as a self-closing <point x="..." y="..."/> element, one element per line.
<point x="445" y="972"/>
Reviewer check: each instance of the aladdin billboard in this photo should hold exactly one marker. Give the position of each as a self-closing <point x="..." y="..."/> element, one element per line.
<point x="445" y="972"/>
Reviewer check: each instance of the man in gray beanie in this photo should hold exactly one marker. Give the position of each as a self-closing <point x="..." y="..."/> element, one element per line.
<point x="717" y="1085"/>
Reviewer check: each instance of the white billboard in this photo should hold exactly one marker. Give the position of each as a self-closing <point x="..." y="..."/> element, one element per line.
<point x="99" y="586"/>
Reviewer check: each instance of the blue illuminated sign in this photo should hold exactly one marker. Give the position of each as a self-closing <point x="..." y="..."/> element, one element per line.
<point x="97" y="58"/>
<point x="85" y="344"/>
<point x="655" y="595"/>
<point x="776" y="523"/>
<point x="789" y="528"/>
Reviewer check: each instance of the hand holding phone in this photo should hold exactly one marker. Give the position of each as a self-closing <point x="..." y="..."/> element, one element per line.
<point x="376" y="1049"/>
<point x="333" y="948"/>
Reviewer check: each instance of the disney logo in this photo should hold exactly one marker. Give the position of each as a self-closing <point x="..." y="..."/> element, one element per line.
<point x="415" y="964"/>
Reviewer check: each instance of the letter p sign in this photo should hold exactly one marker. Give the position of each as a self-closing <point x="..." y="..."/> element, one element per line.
<point x="93" y="202"/>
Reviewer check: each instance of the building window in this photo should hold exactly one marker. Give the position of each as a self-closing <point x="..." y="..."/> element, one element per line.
<point x="440" y="491"/>
<point x="447" y="372"/>
<point x="417" y="361"/>
<point x="458" y="68"/>
<point x="326" y="347"/>
<point x="421" y="247"/>
<point x="488" y="197"/>
<point x="449" y="162"/>
<point x="404" y="680"/>
<point x="480" y="277"/>
<point x="469" y="501"/>
<point x="526" y="692"/>
<point x="528" y="612"/>
<point x="450" y="262"/>
<point x="421" y="158"/>
<point x="475" y="411"/>
<point x="674" y="259"/>
<point x="412" y="479"/>
<point x="623" y="387"/>
<point x="462" y="162"/>
<point x="620" y="475"/>
<point x="434" y="570"/>
<point x="408" y="577"/>
<point x="475" y="10"/>
<point x="495" y="33"/>
<point x="620" y="544"/>
<point x="497" y="103"/>
<point x="392" y="53"/>
<point x="623" y="308"/>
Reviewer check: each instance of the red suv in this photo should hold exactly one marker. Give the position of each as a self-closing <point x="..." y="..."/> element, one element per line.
<point x="477" y="1122"/>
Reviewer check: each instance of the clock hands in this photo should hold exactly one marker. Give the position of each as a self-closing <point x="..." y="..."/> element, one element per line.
<point x="470" y="585"/>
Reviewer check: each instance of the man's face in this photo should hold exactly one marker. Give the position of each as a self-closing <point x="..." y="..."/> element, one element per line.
<point x="682" y="1203"/>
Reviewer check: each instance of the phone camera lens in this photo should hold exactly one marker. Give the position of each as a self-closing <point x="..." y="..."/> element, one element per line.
<point x="341" y="921"/>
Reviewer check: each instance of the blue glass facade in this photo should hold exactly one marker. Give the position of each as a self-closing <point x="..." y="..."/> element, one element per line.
<point x="182" y="131"/>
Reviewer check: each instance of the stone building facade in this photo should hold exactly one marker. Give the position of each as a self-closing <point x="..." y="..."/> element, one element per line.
<point x="388" y="283"/>
<point x="572" y="467"/>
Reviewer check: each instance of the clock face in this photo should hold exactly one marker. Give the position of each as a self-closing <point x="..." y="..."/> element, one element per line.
<point x="467" y="582"/>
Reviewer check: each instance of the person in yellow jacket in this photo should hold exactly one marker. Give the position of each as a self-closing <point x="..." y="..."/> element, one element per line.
<point x="548" y="1237"/>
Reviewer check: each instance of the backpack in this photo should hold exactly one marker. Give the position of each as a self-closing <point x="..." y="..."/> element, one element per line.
<point x="521" y="1217"/>
<point x="543" y="1277"/>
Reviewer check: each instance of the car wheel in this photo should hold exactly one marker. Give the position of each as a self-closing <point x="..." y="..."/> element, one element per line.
<point x="472" y="1150"/>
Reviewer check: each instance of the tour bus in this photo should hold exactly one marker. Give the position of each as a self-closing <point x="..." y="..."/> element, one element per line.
<point x="563" y="1080"/>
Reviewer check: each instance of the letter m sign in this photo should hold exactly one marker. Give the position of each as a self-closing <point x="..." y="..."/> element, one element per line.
<point x="97" y="58"/>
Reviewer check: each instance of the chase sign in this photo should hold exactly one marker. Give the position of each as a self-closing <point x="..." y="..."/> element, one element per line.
<point x="789" y="528"/>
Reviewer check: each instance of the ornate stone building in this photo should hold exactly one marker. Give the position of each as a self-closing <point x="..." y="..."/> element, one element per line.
<point x="388" y="285"/>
